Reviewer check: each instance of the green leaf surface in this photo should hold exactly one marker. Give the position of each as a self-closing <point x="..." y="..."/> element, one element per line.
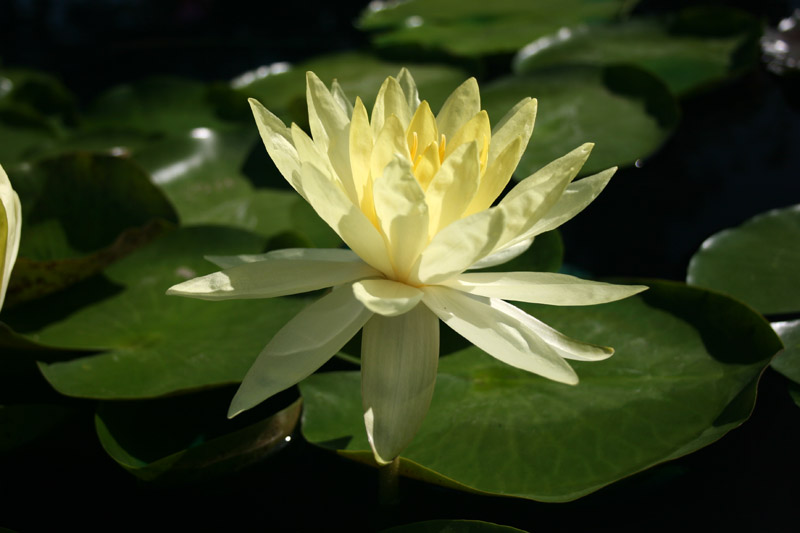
<point x="189" y="437"/>
<point x="452" y="526"/>
<point x="625" y="111"/>
<point x="80" y="203"/>
<point x="473" y="28"/>
<point x="284" y="92"/>
<point x="756" y="262"/>
<point x="685" y="372"/>
<point x="145" y="343"/>
<point x="684" y="60"/>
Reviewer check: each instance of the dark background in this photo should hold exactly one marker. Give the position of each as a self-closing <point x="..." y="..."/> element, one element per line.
<point x="735" y="154"/>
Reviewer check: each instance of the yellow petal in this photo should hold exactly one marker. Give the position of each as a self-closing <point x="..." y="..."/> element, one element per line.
<point x="475" y="129"/>
<point x="390" y="101"/>
<point x="453" y="187"/>
<point x="409" y="87"/>
<point x="496" y="177"/>
<point x="386" y="297"/>
<point x="459" y="107"/>
<point x="423" y="124"/>
<point x="390" y="141"/>
<point x="399" y="358"/>
<point x="487" y="324"/>
<point x="334" y="207"/>
<point x="326" y="117"/>
<point x="341" y="98"/>
<point x="303" y="345"/>
<point x="361" y="143"/>
<point x="518" y="122"/>
<point x="277" y="140"/>
<point x="403" y="214"/>
<point x="427" y="165"/>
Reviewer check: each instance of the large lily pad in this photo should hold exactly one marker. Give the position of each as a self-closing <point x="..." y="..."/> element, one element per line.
<point x="685" y="60"/>
<point x="188" y="437"/>
<point x="685" y="373"/>
<point x="452" y="526"/>
<point x="144" y="343"/>
<point x="756" y="262"/>
<point x="476" y="28"/>
<point x="627" y="112"/>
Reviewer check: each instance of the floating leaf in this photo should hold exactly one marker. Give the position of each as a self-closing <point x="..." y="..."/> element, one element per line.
<point x="685" y="58"/>
<point x="684" y="373"/>
<point x="756" y="262"/>
<point x="625" y="111"/>
<point x="452" y="526"/>
<point x="190" y="437"/>
<point x="474" y="28"/>
<point x="145" y="343"/>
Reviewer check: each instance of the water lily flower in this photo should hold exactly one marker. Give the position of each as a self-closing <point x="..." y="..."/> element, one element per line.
<point x="411" y="193"/>
<point x="10" y="227"/>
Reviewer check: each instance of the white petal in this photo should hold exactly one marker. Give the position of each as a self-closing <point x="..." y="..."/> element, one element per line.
<point x="387" y="297"/>
<point x="541" y="287"/>
<point x="277" y="140"/>
<point x="311" y="254"/>
<point x="399" y="357"/>
<point x="503" y="255"/>
<point x="486" y="323"/>
<point x="334" y="207"/>
<point x="453" y="187"/>
<point x="303" y="345"/>
<point x="10" y="228"/>
<point x="390" y="101"/>
<point x="403" y="214"/>
<point x="341" y="98"/>
<point x="564" y="346"/>
<point x="273" y="277"/>
<point x="576" y="197"/>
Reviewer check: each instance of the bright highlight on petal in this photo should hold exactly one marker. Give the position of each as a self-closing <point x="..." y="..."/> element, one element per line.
<point x="414" y="196"/>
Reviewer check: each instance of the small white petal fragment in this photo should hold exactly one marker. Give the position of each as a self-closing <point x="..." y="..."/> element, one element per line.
<point x="486" y="323"/>
<point x="386" y="297"/>
<point x="303" y="345"/>
<point x="541" y="288"/>
<point x="10" y="228"/>
<point x="399" y="358"/>
<point x="271" y="278"/>
<point x="409" y="87"/>
<point x="340" y="97"/>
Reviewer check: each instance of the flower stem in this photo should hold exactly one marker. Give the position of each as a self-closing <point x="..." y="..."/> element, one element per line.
<point x="388" y="476"/>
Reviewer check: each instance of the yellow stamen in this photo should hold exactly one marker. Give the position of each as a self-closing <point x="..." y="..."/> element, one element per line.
<point x="413" y="149"/>
<point x="442" y="148"/>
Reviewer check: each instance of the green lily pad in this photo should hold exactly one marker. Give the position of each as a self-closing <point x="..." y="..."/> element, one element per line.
<point x="685" y="372"/>
<point x="625" y="111"/>
<point x="38" y="92"/>
<point x="684" y="60"/>
<point x="787" y="362"/>
<point x="474" y="28"/>
<point x="190" y="437"/>
<point x="23" y="133"/>
<point x="147" y="344"/>
<point x="756" y="262"/>
<point x="452" y="526"/>
<point x="284" y="92"/>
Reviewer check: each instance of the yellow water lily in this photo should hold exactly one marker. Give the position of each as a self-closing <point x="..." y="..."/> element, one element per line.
<point x="10" y="227"/>
<point x="411" y="193"/>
